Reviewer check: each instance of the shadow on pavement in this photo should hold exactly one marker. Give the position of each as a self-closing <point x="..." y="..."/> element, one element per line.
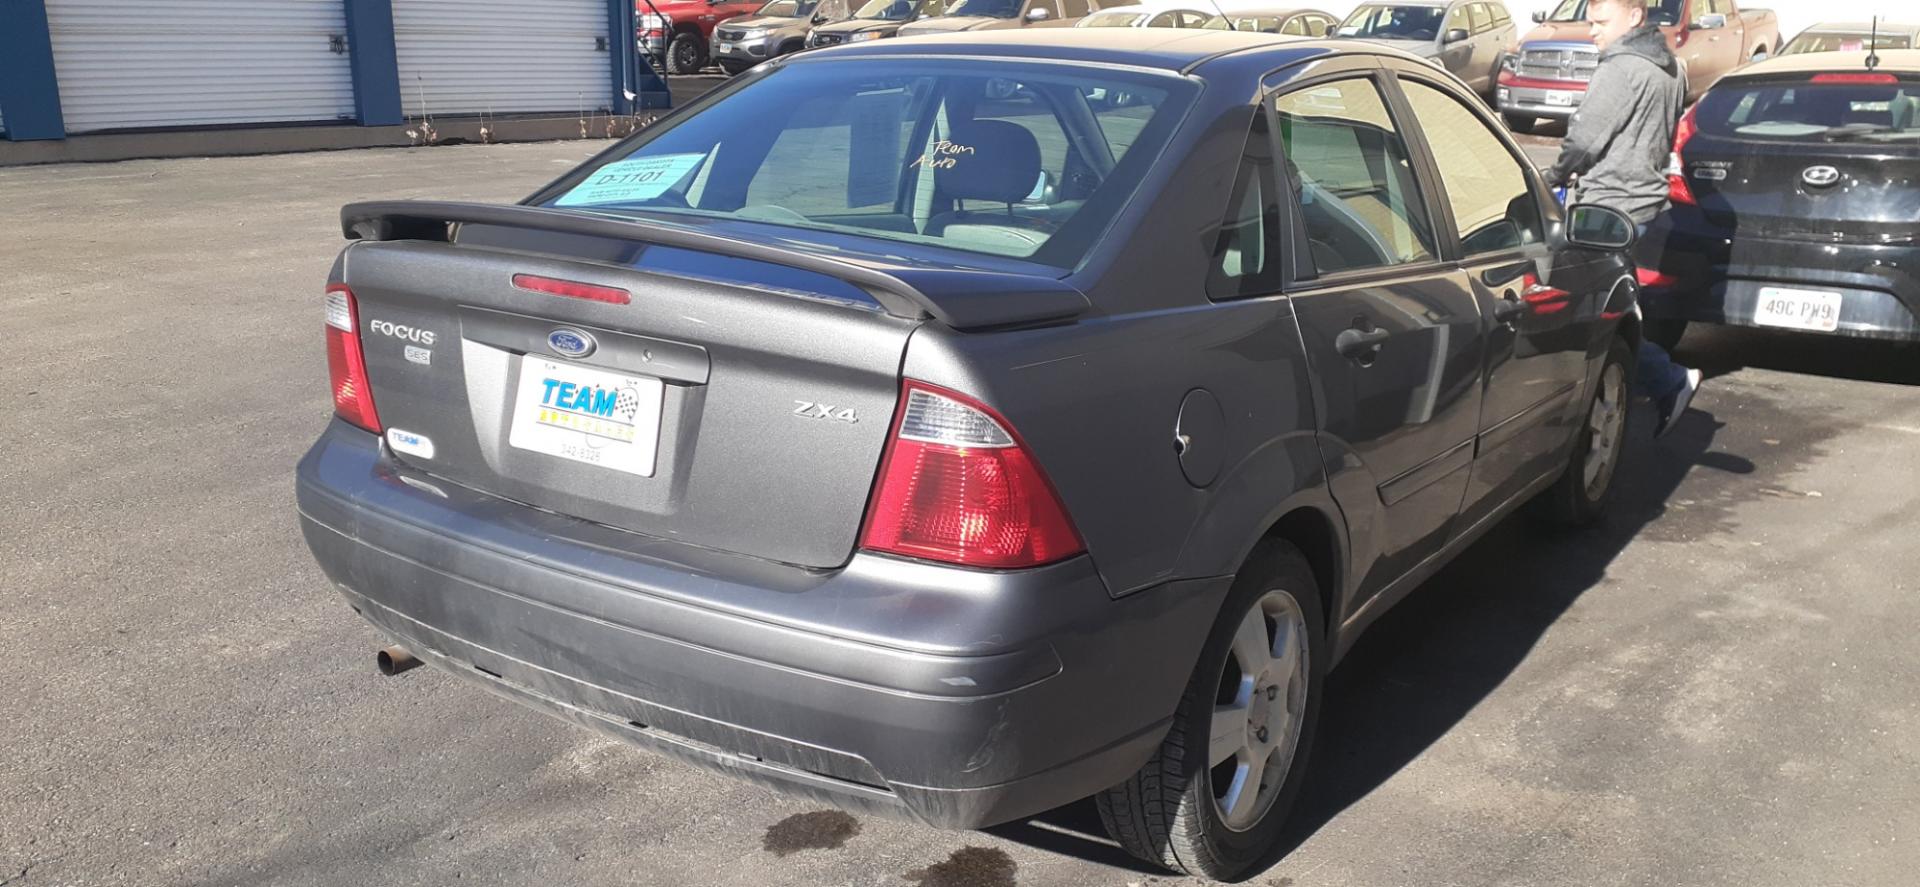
<point x="1437" y="654"/>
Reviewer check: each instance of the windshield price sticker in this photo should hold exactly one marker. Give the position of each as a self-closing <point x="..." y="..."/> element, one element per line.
<point x="639" y="178"/>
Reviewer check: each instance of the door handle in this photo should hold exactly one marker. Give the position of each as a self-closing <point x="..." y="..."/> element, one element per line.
<point x="1358" y="343"/>
<point x="1509" y="309"/>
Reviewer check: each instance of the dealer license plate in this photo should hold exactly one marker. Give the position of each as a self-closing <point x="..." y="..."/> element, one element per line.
<point x="587" y="415"/>
<point x="723" y="47"/>
<point x="1815" y="310"/>
<point x="1560" y="98"/>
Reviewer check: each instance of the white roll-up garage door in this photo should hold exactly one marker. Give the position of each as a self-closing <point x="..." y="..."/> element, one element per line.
<point x="135" y="63"/>
<point x="501" y="56"/>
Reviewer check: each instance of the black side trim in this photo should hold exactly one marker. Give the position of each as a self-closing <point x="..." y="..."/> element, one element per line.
<point x="1427" y="473"/>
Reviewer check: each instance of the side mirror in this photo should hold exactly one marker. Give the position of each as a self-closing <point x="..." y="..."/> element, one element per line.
<point x="1540" y="18"/>
<point x="819" y="18"/>
<point x="1598" y="227"/>
<point x="1455" y="36"/>
<point x="1710" y="22"/>
<point x="1038" y="14"/>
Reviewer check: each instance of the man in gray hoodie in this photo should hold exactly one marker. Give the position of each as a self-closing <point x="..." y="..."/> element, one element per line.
<point x="1619" y="145"/>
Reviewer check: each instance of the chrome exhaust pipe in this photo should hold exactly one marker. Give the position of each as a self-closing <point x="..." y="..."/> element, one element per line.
<point x="394" y="660"/>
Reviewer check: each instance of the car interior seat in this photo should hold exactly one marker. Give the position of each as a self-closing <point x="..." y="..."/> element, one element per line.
<point x="1000" y="166"/>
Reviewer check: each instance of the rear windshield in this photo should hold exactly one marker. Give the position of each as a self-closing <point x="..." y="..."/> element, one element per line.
<point x="1394" y="22"/>
<point x="1842" y="43"/>
<point x="1660" y="12"/>
<point x="1029" y="161"/>
<point x="1813" y="112"/>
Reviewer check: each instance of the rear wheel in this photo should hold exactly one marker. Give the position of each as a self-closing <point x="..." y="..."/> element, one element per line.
<point x="1664" y="333"/>
<point x="687" y="54"/>
<point x="1214" y="798"/>
<point x="1579" y="498"/>
<point x="1520" y="124"/>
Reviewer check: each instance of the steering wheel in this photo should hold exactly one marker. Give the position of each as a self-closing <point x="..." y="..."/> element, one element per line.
<point x="769" y="212"/>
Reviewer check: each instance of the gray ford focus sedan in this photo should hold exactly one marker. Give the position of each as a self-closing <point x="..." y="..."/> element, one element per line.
<point x="965" y="426"/>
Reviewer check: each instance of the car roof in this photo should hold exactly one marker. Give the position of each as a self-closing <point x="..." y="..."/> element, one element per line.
<point x="1860" y="28"/>
<point x="1246" y="11"/>
<point x="1173" y="49"/>
<point x="1905" y="61"/>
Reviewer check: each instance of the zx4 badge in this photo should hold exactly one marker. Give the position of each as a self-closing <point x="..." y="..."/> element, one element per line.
<point x="807" y="409"/>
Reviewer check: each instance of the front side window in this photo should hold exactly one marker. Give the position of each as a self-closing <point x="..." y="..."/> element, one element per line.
<point x="1493" y="204"/>
<point x="1482" y="20"/>
<point x="1296" y="26"/>
<point x="1355" y="185"/>
<point x="1111" y="20"/>
<point x="999" y="158"/>
<point x="1394" y="23"/>
<point x="1457" y="20"/>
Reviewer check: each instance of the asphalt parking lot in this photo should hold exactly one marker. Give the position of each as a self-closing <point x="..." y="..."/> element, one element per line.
<point x="1718" y="689"/>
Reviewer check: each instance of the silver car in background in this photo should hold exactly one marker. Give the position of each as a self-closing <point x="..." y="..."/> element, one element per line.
<point x="1466" y="37"/>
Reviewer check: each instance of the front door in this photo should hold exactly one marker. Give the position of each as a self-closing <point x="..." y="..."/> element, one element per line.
<point x="1392" y="332"/>
<point x="1538" y="336"/>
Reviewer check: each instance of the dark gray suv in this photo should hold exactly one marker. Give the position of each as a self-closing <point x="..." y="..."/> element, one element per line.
<point x="1038" y="420"/>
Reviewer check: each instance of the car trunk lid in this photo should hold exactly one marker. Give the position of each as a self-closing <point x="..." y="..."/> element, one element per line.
<point x="603" y="369"/>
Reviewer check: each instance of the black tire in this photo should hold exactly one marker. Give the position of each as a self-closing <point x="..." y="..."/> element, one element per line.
<point x="1167" y="813"/>
<point x="1664" y="333"/>
<point x="687" y="54"/>
<point x="1521" y="125"/>
<point x="1575" y="500"/>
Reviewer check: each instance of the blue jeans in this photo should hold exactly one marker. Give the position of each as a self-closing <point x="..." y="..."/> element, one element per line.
<point x="1658" y="377"/>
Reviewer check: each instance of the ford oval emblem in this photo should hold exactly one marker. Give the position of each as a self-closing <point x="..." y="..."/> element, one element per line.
<point x="1821" y="176"/>
<point x="569" y="342"/>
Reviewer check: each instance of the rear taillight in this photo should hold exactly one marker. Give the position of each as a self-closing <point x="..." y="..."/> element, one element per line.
<point x="346" y="362"/>
<point x="1678" y="191"/>
<point x="572" y="289"/>
<point x="1654" y="278"/>
<point x="957" y="486"/>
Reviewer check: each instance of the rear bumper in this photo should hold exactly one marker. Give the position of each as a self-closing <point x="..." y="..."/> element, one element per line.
<point x="1716" y="276"/>
<point x="959" y="698"/>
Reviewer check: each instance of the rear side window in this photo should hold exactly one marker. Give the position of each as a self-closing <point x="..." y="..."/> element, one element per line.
<point x="1355" y="186"/>
<point x="1813" y="112"/>
<point x="1500" y="16"/>
<point x="1245" y="262"/>
<point x="1000" y="158"/>
<point x="1493" y="205"/>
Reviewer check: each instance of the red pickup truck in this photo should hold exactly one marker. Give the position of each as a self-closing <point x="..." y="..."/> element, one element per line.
<point x="1547" y="76"/>
<point x="675" y="34"/>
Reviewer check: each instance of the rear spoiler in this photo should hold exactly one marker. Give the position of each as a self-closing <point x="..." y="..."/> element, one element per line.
<point x="962" y="299"/>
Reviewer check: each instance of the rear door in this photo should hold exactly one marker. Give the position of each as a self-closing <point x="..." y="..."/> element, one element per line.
<point x="1393" y="333"/>
<point x="1833" y="157"/>
<point x="1539" y="323"/>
